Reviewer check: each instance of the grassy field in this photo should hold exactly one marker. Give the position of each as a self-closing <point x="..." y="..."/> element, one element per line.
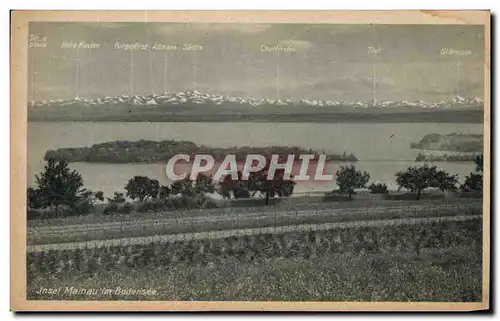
<point x="445" y="274"/>
<point x="431" y="262"/>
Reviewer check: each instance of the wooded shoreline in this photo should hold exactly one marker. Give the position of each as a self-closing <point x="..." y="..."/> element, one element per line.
<point x="148" y="151"/>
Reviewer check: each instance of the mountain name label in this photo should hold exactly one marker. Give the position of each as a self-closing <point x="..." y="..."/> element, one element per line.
<point x="160" y="47"/>
<point x="455" y="52"/>
<point x="79" y="45"/>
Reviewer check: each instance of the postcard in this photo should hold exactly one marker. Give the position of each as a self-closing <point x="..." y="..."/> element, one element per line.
<point x="250" y="160"/>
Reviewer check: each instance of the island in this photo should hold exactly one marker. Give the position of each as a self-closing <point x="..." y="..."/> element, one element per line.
<point x="462" y="143"/>
<point x="148" y="151"/>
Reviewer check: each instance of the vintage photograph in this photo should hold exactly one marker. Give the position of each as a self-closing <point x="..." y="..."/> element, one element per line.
<point x="243" y="161"/>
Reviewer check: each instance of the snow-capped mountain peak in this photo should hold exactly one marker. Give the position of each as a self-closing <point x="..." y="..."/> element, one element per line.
<point x="197" y="97"/>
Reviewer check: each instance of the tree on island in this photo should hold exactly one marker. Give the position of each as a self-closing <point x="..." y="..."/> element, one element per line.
<point x="349" y="179"/>
<point x="416" y="179"/>
<point x="142" y="188"/>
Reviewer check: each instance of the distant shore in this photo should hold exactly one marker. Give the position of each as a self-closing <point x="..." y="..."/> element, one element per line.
<point x="458" y="143"/>
<point x="297" y="115"/>
<point x="447" y="158"/>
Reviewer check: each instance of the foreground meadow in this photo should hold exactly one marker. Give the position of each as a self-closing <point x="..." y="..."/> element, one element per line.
<point x="425" y="262"/>
<point x="451" y="274"/>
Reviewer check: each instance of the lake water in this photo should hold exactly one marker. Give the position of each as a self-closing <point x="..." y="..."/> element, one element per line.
<point x="382" y="149"/>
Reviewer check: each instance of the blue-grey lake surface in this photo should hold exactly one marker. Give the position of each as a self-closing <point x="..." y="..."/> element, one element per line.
<point x="382" y="149"/>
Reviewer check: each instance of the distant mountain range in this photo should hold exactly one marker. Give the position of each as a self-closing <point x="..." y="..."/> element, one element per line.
<point x="195" y="97"/>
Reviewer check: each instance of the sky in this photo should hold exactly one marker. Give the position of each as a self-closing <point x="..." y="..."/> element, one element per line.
<point x="324" y="61"/>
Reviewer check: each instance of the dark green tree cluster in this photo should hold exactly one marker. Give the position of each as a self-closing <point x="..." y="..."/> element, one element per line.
<point x="258" y="183"/>
<point x="416" y="179"/>
<point x="474" y="181"/>
<point x="59" y="187"/>
<point x="142" y="188"/>
<point x="202" y="185"/>
<point x="229" y="187"/>
<point x="349" y="179"/>
<point x="149" y="195"/>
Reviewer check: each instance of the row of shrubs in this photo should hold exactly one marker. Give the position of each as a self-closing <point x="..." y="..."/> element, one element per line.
<point x="61" y="211"/>
<point x="158" y="205"/>
<point x="306" y="244"/>
<point x="374" y="188"/>
<point x="119" y="205"/>
<point x="379" y="188"/>
<point x="125" y="207"/>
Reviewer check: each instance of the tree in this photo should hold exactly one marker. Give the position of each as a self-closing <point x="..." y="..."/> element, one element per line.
<point x="416" y="179"/>
<point x="142" y="188"/>
<point x="203" y="184"/>
<point x="99" y="195"/>
<point x="87" y="200"/>
<point x="118" y="198"/>
<point x="479" y="163"/>
<point x="34" y="198"/>
<point x="349" y="178"/>
<point x="183" y="187"/>
<point x="228" y="187"/>
<point x="225" y="187"/>
<point x="278" y="185"/>
<point x="58" y="185"/>
<point x="164" y="193"/>
<point x="378" y="188"/>
<point x="474" y="182"/>
<point x="92" y="196"/>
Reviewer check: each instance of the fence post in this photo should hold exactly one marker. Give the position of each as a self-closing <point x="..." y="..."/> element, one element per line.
<point x="238" y="224"/>
<point x="177" y="231"/>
